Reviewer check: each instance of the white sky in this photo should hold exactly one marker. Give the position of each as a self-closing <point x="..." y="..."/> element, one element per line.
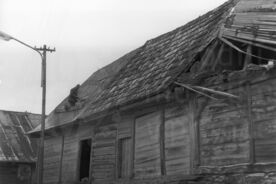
<point x="87" y="34"/>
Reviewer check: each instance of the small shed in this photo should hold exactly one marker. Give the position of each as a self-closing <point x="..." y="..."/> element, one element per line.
<point x="17" y="151"/>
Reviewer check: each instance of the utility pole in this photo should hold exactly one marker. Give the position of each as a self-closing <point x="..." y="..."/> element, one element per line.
<point x="40" y="163"/>
<point x="42" y="51"/>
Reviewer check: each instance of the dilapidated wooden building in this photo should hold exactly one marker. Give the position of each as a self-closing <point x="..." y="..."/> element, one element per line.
<point x="17" y="151"/>
<point x="194" y="105"/>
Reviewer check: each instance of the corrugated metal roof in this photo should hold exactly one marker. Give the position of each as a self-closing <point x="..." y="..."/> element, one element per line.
<point x="15" y="146"/>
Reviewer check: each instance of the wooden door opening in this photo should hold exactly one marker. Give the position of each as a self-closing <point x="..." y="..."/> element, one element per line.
<point x="84" y="161"/>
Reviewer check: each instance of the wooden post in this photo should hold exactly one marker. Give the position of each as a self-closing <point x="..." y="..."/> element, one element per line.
<point x="61" y="160"/>
<point x="133" y="150"/>
<point x="40" y="164"/>
<point x="208" y="55"/>
<point x="248" y="58"/>
<point x="197" y="133"/>
<point x="192" y="132"/>
<point x="250" y="125"/>
<point x="162" y="143"/>
<point x="220" y="52"/>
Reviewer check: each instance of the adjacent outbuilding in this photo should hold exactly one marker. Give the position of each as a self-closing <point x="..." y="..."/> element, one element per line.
<point x="17" y="151"/>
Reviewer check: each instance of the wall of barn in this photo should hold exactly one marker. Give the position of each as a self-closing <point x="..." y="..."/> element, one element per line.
<point x="237" y="140"/>
<point x="142" y="145"/>
<point x="203" y="141"/>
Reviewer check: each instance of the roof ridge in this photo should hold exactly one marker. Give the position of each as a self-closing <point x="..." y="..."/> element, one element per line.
<point x="190" y="23"/>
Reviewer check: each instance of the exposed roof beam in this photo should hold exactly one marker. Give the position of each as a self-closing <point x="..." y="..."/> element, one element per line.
<point x="203" y="90"/>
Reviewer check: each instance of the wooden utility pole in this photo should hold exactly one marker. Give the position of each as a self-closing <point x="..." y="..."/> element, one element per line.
<point x="42" y="52"/>
<point x="40" y="163"/>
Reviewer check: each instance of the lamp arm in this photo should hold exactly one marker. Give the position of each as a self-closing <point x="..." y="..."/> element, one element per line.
<point x="28" y="46"/>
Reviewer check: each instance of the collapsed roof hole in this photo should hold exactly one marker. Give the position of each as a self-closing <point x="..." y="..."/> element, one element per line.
<point x="232" y="59"/>
<point x="263" y="53"/>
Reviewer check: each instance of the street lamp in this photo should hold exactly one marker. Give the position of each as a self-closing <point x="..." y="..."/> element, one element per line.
<point x="42" y="52"/>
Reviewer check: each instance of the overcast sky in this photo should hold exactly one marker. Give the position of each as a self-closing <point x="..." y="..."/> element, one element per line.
<point x="87" y="34"/>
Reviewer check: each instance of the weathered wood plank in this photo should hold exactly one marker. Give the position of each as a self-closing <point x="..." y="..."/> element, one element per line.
<point x="103" y="164"/>
<point x="147" y="145"/>
<point x="177" y="140"/>
<point x="264" y="118"/>
<point x="224" y="131"/>
<point x="52" y="158"/>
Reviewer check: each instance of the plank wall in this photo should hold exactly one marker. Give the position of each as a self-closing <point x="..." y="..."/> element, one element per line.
<point x="147" y="146"/>
<point x="67" y="171"/>
<point x="104" y="153"/>
<point x="70" y="161"/>
<point x="8" y="174"/>
<point x="125" y="146"/>
<point x="264" y="118"/>
<point x="52" y="153"/>
<point x="177" y="140"/>
<point x="223" y="130"/>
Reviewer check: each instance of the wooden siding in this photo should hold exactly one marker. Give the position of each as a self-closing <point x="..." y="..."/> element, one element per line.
<point x="70" y="158"/>
<point x="67" y="171"/>
<point x="125" y="148"/>
<point x="13" y="173"/>
<point x="264" y="116"/>
<point x="125" y="127"/>
<point x="8" y="174"/>
<point x="147" y="146"/>
<point x="70" y="161"/>
<point x="224" y="131"/>
<point x="104" y="153"/>
<point x="51" y="159"/>
<point x="124" y="164"/>
<point x="177" y="140"/>
<point x="223" y="139"/>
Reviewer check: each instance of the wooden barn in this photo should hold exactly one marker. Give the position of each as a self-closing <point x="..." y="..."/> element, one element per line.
<point x="17" y="150"/>
<point x="195" y="105"/>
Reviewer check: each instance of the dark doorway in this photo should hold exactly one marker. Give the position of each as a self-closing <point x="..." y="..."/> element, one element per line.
<point x="85" y="151"/>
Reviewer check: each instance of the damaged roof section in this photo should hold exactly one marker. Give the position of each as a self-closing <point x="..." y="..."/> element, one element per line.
<point x="252" y="20"/>
<point x="67" y="112"/>
<point x="144" y="72"/>
<point x="160" y="61"/>
<point x="15" y="146"/>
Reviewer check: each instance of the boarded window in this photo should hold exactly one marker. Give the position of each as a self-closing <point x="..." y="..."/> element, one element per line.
<point x="147" y="145"/>
<point x="124" y="158"/>
<point x="177" y="141"/>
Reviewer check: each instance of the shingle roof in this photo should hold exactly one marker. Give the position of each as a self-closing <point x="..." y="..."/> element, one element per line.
<point x="15" y="146"/>
<point x="160" y="61"/>
<point x="87" y="92"/>
<point x="145" y="71"/>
